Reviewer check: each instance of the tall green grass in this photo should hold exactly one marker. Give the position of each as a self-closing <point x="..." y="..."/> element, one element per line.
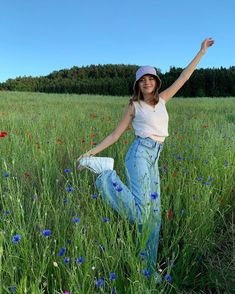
<point x="40" y="189"/>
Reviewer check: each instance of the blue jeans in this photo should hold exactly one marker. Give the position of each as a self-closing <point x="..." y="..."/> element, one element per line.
<point x="138" y="200"/>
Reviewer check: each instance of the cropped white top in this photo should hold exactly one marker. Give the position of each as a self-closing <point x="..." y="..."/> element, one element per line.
<point x="150" y="121"/>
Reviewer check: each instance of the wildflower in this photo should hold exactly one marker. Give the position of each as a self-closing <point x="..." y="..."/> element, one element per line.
<point x="199" y="179"/>
<point x="112" y="276"/>
<point x="16" y="238"/>
<point x="168" y="278"/>
<point x="93" y="268"/>
<point x="65" y="201"/>
<point x="66" y="292"/>
<point x="69" y="189"/>
<point x="58" y="141"/>
<point x="106" y="219"/>
<point x="169" y="214"/>
<point x="66" y="260"/>
<point x="226" y="163"/>
<point x="113" y="291"/>
<point x="80" y="260"/>
<point x="146" y="273"/>
<point x="6" y="175"/>
<point x="55" y="264"/>
<point x="27" y="174"/>
<point x="62" y="251"/>
<point x="99" y="283"/>
<point x="67" y="170"/>
<point x="94" y="196"/>
<point x="3" y="134"/>
<point x="46" y="233"/>
<point x="206" y="183"/>
<point x="12" y="289"/>
<point x="143" y="254"/>
<point x="76" y="220"/>
<point x="154" y="195"/>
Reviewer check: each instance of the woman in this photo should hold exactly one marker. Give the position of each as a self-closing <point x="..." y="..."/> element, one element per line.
<point x="139" y="199"/>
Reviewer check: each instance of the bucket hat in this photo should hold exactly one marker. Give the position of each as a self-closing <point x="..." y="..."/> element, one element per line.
<point x="147" y="70"/>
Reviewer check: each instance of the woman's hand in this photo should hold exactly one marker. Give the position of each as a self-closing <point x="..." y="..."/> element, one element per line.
<point x="80" y="167"/>
<point x="207" y="43"/>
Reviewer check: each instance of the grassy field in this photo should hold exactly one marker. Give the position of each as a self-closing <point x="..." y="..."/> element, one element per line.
<point x="58" y="236"/>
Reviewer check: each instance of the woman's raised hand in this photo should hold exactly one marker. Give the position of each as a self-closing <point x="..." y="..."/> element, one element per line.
<point x="207" y="43"/>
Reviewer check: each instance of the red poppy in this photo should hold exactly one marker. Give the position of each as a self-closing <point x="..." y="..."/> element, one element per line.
<point x="3" y="134"/>
<point x="58" y="141"/>
<point x="169" y="214"/>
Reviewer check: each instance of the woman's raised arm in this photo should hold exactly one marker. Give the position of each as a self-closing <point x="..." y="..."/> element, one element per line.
<point x="187" y="72"/>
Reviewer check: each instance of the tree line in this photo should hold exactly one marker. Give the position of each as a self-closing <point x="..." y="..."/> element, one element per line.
<point x="117" y="80"/>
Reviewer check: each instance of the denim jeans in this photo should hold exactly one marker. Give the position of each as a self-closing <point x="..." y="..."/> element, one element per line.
<point x="138" y="199"/>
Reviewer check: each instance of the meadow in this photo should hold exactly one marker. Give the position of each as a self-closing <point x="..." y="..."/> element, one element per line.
<point x="58" y="236"/>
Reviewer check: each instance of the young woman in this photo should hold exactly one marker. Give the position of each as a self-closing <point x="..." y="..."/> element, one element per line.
<point x="139" y="198"/>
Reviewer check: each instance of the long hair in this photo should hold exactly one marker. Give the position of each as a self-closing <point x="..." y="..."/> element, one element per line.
<point x="138" y="95"/>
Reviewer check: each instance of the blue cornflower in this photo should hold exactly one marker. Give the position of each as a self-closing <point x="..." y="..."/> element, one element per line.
<point x="12" y="288"/>
<point x="105" y="219"/>
<point x="69" y="189"/>
<point x="112" y="276"/>
<point x="80" y="260"/>
<point x="226" y="163"/>
<point x="206" y="183"/>
<point x="168" y="278"/>
<point x="143" y="254"/>
<point x="199" y="179"/>
<point x="6" y="212"/>
<point x="62" y="251"/>
<point x="67" y="170"/>
<point x="65" y="201"/>
<point x="46" y="233"/>
<point x="113" y="291"/>
<point x="16" y="238"/>
<point x="94" y="196"/>
<point x="76" y="220"/>
<point x="179" y="157"/>
<point x="6" y="175"/>
<point x="146" y="273"/>
<point x="99" y="282"/>
<point x="154" y="195"/>
<point x="66" y="260"/>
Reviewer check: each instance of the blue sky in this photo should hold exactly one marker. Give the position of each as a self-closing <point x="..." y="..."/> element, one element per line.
<point x="38" y="37"/>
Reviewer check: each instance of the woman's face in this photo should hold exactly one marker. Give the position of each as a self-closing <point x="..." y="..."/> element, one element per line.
<point x="147" y="84"/>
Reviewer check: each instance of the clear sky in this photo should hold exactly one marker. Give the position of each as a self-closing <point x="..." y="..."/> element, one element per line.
<point x="40" y="36"/>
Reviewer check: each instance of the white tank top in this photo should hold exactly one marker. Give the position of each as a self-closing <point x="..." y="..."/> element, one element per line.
<point x="150" y="121"/>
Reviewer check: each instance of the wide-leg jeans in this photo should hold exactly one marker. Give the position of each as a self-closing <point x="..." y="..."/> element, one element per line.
<point x="138" y="199"/>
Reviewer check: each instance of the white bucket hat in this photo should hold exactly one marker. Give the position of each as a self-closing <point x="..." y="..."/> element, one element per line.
<point x="147" y="70"/>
